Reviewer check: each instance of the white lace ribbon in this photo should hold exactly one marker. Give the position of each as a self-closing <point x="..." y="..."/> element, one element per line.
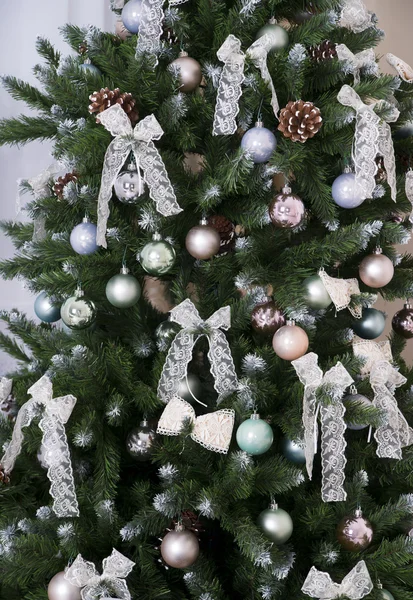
<point x="213" y="431"/>
<point x="372" y="138"/>
<point x="356" y="585"/>
<point x="139" y="141"/>
<point x="333" y="426"/>
<point x="409" y="190"/>
<point x="5" y="388"/>
<point x="371" y="352"/>
<point x="116" y="568"/>
<point x="340" y="292"/>
<point x="404" y="70"/>
<point x="55" y="449"/>
<point x="355" y="16"/>
<point x="363" y="59"/>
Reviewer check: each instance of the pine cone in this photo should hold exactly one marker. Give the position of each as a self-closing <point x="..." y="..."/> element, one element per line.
<point x="82" y="48"/>
<point x="4" y="478"/>
<point x="106" y="98"/>
<point x="169" y="36"/>
<point x="381" y="175"/>
<point x="62" y="182"/>
<point x="226" y="230"/>
<point x="300" y="121"/>
<point x="324" y="51"/>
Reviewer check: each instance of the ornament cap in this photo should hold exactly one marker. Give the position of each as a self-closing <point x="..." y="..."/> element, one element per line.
<point x="273" y="21"/>
<point x="290" y="323"/>
<point x="264" y="300"/>
<point x="124" y="270"/>
<point x="87" y="61"/>
<point x="259" y="124"/>
<point x="85" y="219"/>
<point x="79" y="292"/>
<point x="408" y="305"/>
<point x="183" y="54"/>
<point x="348" y="169"/>
<point x="273" y="505"/>
<point x="358" y="513"/>
<point x="179" y="527"/>
<point x="379" y="585"/>
<point x="144" y="423"/>
<point x="377" y="250"/>
<point x="255" y="416"/>
<point x="131" y="166"/>
<point x="286" y="189"/>
<point x="203" y="221"/>
<point x="156" y="236"/>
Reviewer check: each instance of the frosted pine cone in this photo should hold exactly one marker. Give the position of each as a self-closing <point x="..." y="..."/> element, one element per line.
<point x="105" y="98"/>
<point x="61" y="182"/>
<point x="324" y="51"/>
<point x="226" y="231"/>
<point x="300" y="121"/>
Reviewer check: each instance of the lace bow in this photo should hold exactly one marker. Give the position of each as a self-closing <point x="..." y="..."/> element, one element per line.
<point x="372" y="137"/>
<point x="213" y="431"/>
<point x="333" y="443"/>
<point x="371" y="353"/>
<point x="404" y="70"/>
<point x="355" y="585"/>
<point x="40" y="188"/>
<point x="139" y="141"/>
<point x="180" y="352"/>
<point x="355" y="16"/>
<point x="358" y="61"/>
<point x="116" y="568"/>
<point x="409" y="191"/>
<point x="340" y="292"/>
<point x="55" y="449"/>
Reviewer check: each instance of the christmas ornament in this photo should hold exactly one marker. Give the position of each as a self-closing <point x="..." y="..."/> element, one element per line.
<point x="203" y="241"/>
<point x="376" y="270"/>
<point x="61" y="183"/>
<point x="290" y="341"/>
<point x="404" y="132"/>
<point x="354" y="532"/>
<point x="353" y="63"/>
<point x="188" y="71"/>
<point x="190" y="388"/>
<point x="55" y="450"/>
<point x="324" y="51"/>
<point x="266" y="317"/>
<point x="158" y="256"/>
<point x="46" y="309"/>
<point x="276" y="524"/>
<point x="180" y="548"/>
<point x="259" y="142"/>
<point x="402" y="322"/>
<point x="385" y="594"/>
<point x="129" y="185"/>
<point x="286" y="210"/>
<point x="293" y="452"/>
<point x="278" y="35"/>
<point x="140" y="441"/>
<point x="226" y="231"/>
<point x="255" y="435"/>
<point x="356" y="585"/>
<point x="139" y="141"/>
<point x="8" y="404"/>
<point x="87" y="67"/>
<point x="83" y="237"/>
<point x="371" y="325"/>
<point x="316" y="295"/>
<point x="341" y="291"/>
<point x="300" y="121"/>
<point x="132" y="14"/>
<point x="165" y="333"/>
<point x="78" y="312"/>
<point x="60" y="589"/>
<point x="123" y="290"/>
<point x="105" y="98"/>
<point x="346" y="193"/>
<point x="362" y="400"/>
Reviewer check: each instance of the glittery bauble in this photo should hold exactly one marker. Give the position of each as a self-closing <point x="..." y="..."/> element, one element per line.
<point x="78" y="312"/>
<point x="83" y="238"/>
<point x="376" y="270"/>
<point x="385" y="595"/>
<point x="267" y="318"/>
<point x="346" y="193"/>
<point x="47" y="310"/>
<point x="362" y="400"/>
<point x="259" y="142"/>
<point x="60" y="589"/>
<point x="276" y="524"/>
<point x="180" y="548"/>
<point x="290" y="342"/>
<point x="132" y="14"/>
<point x="278" y="35"/>
<point x="128" y="186"/>
<point x="316" y="295"/>
<point x="189" y="72"/>
<point x="354" y="532"/>
<point x="165" y="333"/>
<point x="87" y="67"/>
<point x="255" y="435"/>
<point x="286" y="210"/>
<point x="189" y="387"/>
<point x="293" y="451"/>
<point x="123" y="290"/>
<point x="371" y="325"/>
<point x="203" y="241"/>
<point x="158" y="256"/>
<point x="402" y="322"/>
<point x="140" y="440"/>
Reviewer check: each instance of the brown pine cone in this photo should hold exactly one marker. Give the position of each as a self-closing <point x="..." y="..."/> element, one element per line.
<point x="300" y="121"/>
<point x="105" y="98"/>
<point x="226" y="230"/>
<point x="62" y="182"/>
<point x="324" y="51"/>
<point x="4" y="477"/>
<point x="169" y="36"/>
<point x="82" y="48"/>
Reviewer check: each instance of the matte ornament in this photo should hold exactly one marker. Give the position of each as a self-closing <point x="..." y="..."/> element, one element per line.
<point x="129" y="186"/>
<point x="180" y="548"/>
<point x="140" y="440"/>
<point x="376" y="270"/>
<point x="278" y="35"/>
<point x="255" y="435"/>
<point x="190" y="388"/>
<point x="267" y="318"/>
<point x="290" y="342"/>
<point x="286" y="210"/>
<point x="316" y="295"/>
<point x="371" y="325"/>
<point x="78" y="312"/>
<point x="189" y="72"/>
<point x="83" y="238"/>
<point x="46" y="310"/>
<point x="60" y="589"/>
<point x="294" y="452"/>
<point x="259" y="142"/>
<point x="203" y="241"/>
<point x="354" y="532"/>
<point x="362" y="400"/>
<point x="276" y="524"/>
<point x="402" y="322"/>
<point x="346" y="193"/>
<point x="158" y="256"/>
<point x="123" y="290"/>
<point x="132" y="14"/>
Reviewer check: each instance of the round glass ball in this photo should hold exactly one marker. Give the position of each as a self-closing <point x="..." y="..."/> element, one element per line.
<point x="190" y="388"/>
<point x="165" y="333"/>
<point x="83" y="238"/>
<point x="254" y="435"/>
<point x="294" y="452"/>
<point x="259" y="142"/>
<point x="278" y="35"/>
<point x="158" y="257"/>
<point x="362" y="400"/>
<point x="267" y="318"/>
<point x="376" y="270"/>
<point x="386" y="595"/>
<point x="346" y="193"/>
<point x="46" y="310"/>
<point x="203" y="241"/>
<point x="61" y="589"/>
<point x="132" y="14"/>
<point x="354" y="532"/>
<point x="371" y="325"/>
<point x="78" y="312"/>
<point x="180" y="548"/>
<point x="316" y="295"/>
<point x="129" y="186"/>
<point x="123" y="290"/>
<point x="290" y="342"/>
<point x="89" y="68"/>
<point x="286" y="210"/>
<point x="276" y="524"/>
<point x="189" y="72"/>
<point x="402" y="322"/>
<point x="140" y="440"/>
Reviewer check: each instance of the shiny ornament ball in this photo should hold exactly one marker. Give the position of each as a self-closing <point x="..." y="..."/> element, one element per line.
<point x="189" y="72"/>
<point x="316" y="295"/>
<point x="376" y="270"/>
<point x="354" y="532"/>
<point x="276" y="524"/>
<point x="180" y="548"/>
<point x="158" y="256"/>
<point x="140" y="441"/>
<point x="371" y="325"/>
<point x="402" y="322"/>
<point x="294" y="452"/>
<point x="189" y="387"/>
<point x="267" y="318"/>
<point x="46" y="310"/>
<point x="404" y="132"/>
<point x="83" y="238"/>
<point x="259" y="142"/>
<point x="278" y="35"/>
<point x="60" y="589"/>
<point x="78" y="312"/>
<point x="165" y="333"/>
<point x="123" y="290"/>
<point x="129" y="186"/>
<point x="386" y="595"/>
<point x="132" y="14"/>
<point x="203" y="241"/>
<point x="255" y="435"/>
<point x="362" y="400"/>
<point x="346" y="193"/>
<point x="290" y="342"/>
<point x="87" y="67"/>
<point x="286" y="210"/>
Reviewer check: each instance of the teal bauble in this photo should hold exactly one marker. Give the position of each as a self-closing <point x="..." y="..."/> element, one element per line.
<point x="293" y="452"/>
<point x="276" y="524"/>
<point x="386" y="595"/>
<point x="123" y="290"/>
<point x="46" y="308"/>
<point x="254" y="435"/>
<point x="371" y="325"/>
<point x="316" y="295"/>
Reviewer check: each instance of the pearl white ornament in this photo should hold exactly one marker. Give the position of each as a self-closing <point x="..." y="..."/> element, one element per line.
<point x="259" y="142"/>
<point x="61" y="589"/>
<point x="346" y="193"/>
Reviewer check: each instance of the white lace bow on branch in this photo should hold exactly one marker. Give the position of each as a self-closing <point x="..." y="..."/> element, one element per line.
<point x="403" y="69"/>
<point x="355" y="16"/>
<point x="366" y="58"/>
<point x="356" y="585"/>
<point x="55" y="449"/>
<point x="340" y="292"/>
<point x="139" y="141"/>
<point x="333" y="426"/>
<point x="116" y="568"/>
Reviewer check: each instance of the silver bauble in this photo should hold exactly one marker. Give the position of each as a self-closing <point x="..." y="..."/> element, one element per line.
<point x="180" y="548"/>
<point x="276" y="524"/>
<point x="78" y="312"/>
<point x="278" y="35"/>
<point x="188" y="70"/>
<point x="165" y="333"/>
<point x="123" y="290"/>
<point x="364" y="401"/>
<point x="290" y="342"/>
<point x="259" y="143"/>
<point x="157" y="257"/>
<point x="316" y="295"/>
<point x="203" y="241"/>
<point x="376" y="270"/>
<point x="386" y="595"/>
<point x="139" y="441"/>
<point x="46" y="309"/>
<point x="128" y="186"/>
<point x="60" y="589"/>
<point x="293" y="451"/>
<point x="189" y="387"/>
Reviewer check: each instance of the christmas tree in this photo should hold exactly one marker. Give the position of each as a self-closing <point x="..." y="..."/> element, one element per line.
<point x="212" y="417"/>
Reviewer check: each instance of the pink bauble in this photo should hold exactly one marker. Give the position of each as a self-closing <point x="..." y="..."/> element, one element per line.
<point x="290" y="342"/>
<point x="376" y="270"/>
<point x="203" y="241"/>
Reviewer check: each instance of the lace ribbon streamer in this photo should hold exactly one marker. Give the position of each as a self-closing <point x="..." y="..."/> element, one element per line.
<point x="356" y="585"/>
<point x="139" y="141"/>
<point x="372" y="137"/>
<point x="340" y="291"/>
<point x="116" y="568"/>
<point x="333" y="426"/>
<point x="404" y="70"/>
<point x="180" y="352"/>
<point x="213" y="431"/>
<point x="55" y="449"/>
<point x="409" y="190"/>
<point x="371" y="352"/>
<point x="5" y="388"/>
<point x="355" y="16"/>
<point x="356" y="61"/>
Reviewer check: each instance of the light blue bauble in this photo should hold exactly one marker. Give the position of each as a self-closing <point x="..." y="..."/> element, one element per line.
<point x="46" y="309"/>
<point x="83" y="237"/>
<point x="254" y="435"/>
<point x="87" y="67"/>
<point x="345" y="191"/>
<point x="259" y="142"/>
<point x="293" y="452"/>
<point x="132" y="15"/>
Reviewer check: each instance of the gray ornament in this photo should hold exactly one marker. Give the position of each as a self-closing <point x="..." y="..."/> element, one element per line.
<point x="60" y="589"/>
<point x="46" y="309"/>
<point x="276" y="524"/>
<point x="123" y="290"/>
<point x="189" y="387"/>
<point x="316" y="295"/>
<point x="259" y="142"/>
<point x="371" y="325"/>
<point x="180" y="548"/>
<point x="293" y="451"/>
<point x="157" y="257"/>
<point x="129" y="186"/>
<point x="386" y="595"/>
<point x="139" y="441"/>
<point x="364" y="401"/>
<point x="78" y="312"/>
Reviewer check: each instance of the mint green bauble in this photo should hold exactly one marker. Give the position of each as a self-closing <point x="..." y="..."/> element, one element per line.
<point x="254" y="435"/>
<point x="386" y="595"/>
